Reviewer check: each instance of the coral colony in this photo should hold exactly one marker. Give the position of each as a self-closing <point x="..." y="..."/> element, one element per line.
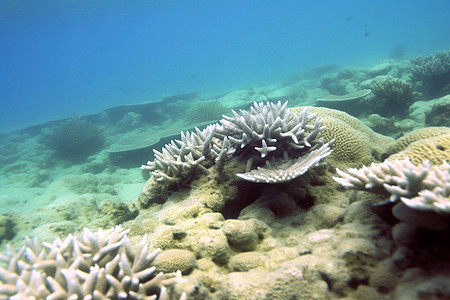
<point x="269" y="134"/>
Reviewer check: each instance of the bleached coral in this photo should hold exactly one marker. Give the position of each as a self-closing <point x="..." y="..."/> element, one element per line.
<point x="268" y="131"/>
<point x="181" y="157"/>
<point x="271" y="128"/>
<point x="288" y="170"/>
<point x="101" y="265"/>
<point x="422" y="187"/>
<point x="437" y="195"/>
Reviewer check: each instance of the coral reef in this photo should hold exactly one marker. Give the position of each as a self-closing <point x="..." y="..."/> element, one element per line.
<point x="433" y="72"/>
<point x="393" y="97"/>
<point x="74" y="138"/>
<point x="101" y="265"/>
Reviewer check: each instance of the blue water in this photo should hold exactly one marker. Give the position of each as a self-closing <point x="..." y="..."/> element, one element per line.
<point x="62" y="58"/>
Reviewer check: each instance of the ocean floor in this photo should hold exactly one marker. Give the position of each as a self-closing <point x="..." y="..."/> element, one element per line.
<point x="308" y="238"/>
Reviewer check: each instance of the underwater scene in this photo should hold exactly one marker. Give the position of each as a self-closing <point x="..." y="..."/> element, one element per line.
<point x="224" y="150"/>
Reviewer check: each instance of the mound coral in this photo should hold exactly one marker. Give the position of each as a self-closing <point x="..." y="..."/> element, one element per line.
<point x="355" y="143"/>
<point x="101" y="265"/>
<point x="431" y="143"/>
<point x="416" y="135"/>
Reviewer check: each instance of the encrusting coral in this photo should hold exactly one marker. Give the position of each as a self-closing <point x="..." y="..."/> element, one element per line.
<point x="268" y="133"/>
<point x="100" y="265"/>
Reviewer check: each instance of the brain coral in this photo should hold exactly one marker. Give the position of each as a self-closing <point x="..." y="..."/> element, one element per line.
<point x="416" y="135"/>
<point x="436" y="149"/>
<point x="355" y="143"/>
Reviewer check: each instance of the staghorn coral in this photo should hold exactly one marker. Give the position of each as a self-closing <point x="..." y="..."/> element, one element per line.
<point x="101" y="265"/>
<point x="274" y="133"/>
<point x="433" y="71"/>
<point x="268" y="131"/>
<point x="393" y="97"/>
<point x="420" y="187"/>
<point x="180" y="158"/>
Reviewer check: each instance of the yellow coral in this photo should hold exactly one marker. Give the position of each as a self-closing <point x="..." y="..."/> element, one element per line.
<point x="436" y="149"/>
<point x="416" y="135"/>
<point x="355" y="143"/>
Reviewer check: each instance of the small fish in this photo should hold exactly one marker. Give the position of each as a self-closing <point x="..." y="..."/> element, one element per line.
<point x="367" y="33"/>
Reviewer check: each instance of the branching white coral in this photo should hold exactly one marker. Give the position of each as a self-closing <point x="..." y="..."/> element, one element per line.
<point x="181" y="157"/>
<point x="267" y="132"/>
<point x="421" y="187"/>
<point x="270" y="127"/>
<point x="101" y="265"/>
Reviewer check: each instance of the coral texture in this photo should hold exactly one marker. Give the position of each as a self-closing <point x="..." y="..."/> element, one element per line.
<point x="435" y="149"/>
<point x="101" y="265"/>
<point x="355" y="143"/>
<point x="417" y="135"/>
<point x="420" y="187"/>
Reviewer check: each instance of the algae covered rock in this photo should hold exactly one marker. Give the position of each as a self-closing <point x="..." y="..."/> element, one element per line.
<point x="244" y="235"/>
<point x="245" y="261"/>
<point x="7" y="228"/>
